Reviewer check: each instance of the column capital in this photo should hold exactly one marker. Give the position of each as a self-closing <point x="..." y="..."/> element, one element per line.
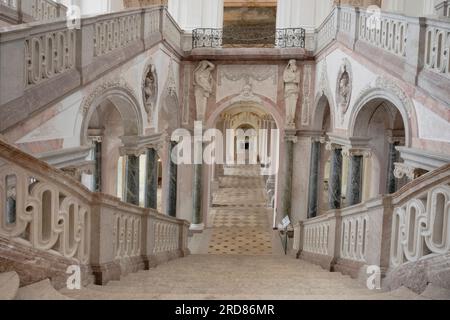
<point x="331" y="146"/>
<point x="320" y="139"/>
<point x="289" y="138"/>
<point x="355" y="152"/>
<point x="396" y="140"/>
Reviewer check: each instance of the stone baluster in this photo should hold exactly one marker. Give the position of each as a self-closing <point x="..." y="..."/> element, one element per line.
<point x="334" y="189"/>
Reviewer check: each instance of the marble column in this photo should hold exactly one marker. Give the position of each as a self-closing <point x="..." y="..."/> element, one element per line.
<point x="151" y="180"/>
<point x="334" y="188"/>
<point x="197" y="216"/>
<point x="290" y="139"/>
<point x="392" y="158"/>
<point x="132" y="179"/>
<point x="98" y="166"/>
<point x="172" y="194"/>
<point x="354" y="183"/>
<point x="313" y="189"/>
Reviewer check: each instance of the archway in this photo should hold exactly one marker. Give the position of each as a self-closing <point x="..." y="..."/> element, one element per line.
<point x="242" y="193"/>
<point x="109" y="114"/>
<point x="384" y="125"/>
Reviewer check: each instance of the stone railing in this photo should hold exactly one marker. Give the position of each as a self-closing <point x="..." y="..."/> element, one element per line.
<point x="49" y="54"/>
<point x="326" y="33"/>
<point x="388" y="32"/>
<point x="437" y="47"/>
<point x="116" y="33"/>
<point x="389" y="231"/>
<point x="50" y="59"/>
<point x="21" y="11"/>
<point x="421" y="220"/>
<point x="51" y="216"/>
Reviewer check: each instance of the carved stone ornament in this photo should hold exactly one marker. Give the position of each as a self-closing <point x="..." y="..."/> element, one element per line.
<point x="344" y="86"/>
<point x="291" y="78"/>
<point x="203" y="83"/>
<point x="101" y="89"/>
<point x="150" y="88"/>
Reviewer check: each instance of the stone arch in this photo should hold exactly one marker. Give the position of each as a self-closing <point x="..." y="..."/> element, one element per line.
<point x="322" y="101"/>
<point x="265" y="104"/>
<point x="120" y="94"/>
<point x="384" y="90"/>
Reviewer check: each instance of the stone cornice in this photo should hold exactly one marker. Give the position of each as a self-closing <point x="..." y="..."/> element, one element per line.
<point x="421" y="159"/>
<point x="70" y="157"/>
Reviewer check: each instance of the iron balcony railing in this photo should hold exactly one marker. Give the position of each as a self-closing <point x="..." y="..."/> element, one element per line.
<point x="217" y="38"/>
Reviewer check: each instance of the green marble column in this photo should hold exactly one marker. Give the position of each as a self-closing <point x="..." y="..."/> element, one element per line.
<point x="172" y="194"/>
<point x="334" y="192"/>
<point x="132" y="179"/>
<point x="151" y="185"/>
<point x="313" y="188"/>
<point x="289" y="167"/>
<point x="354" y="183"/>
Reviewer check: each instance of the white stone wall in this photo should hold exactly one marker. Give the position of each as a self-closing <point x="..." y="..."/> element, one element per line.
<point x="197" y="13"/>
<point x="302" y="13"/>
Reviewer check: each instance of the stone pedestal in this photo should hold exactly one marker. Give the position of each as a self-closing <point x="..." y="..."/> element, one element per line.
<point x="314" y="180"/>
<point x="151" y="180"/>
<point x="132" y="180"/>
<point x="334" y="189"/>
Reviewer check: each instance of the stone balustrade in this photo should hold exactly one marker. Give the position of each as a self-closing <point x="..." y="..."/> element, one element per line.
<point x="421" y="219"/>
<point x="437" y="47"/>
<point x="19" y="11"/>
<point x="326" y="33"/>
<point x="42" y="51"/>
<point x="390" y="232"/>
<point x="51" y="216"/>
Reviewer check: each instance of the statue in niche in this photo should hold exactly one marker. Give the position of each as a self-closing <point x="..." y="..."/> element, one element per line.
<point x="150" y="89"/>
<point x="203" y="84"/>
<point x="344" y="87"/>
<point x="291" y="79"/>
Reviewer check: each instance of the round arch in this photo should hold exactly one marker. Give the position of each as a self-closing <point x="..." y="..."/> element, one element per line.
<point x="405" y="107"/>
<point x="322" y="101"/>
<point x="123" y="98"/>
<point x="265" y="104"/>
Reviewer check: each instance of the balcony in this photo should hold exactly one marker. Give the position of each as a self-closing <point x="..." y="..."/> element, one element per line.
<point x="248" y="37"/>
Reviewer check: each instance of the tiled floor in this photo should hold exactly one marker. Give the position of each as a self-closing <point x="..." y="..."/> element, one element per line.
<point x="240" y="223"/>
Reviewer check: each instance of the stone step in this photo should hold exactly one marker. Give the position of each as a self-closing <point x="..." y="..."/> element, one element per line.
<point x="42" y="290"/>
<point x="436" y="293"/>
<point x="9" y="285"/>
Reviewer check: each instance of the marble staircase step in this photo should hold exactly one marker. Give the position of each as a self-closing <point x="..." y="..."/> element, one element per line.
<point x="9" y="285"/>
<point x="42" y="290"/>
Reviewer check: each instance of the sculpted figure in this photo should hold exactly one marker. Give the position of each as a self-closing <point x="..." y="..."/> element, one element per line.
<point x="344" y="87"/>
<point x="150" y="90"/>
<point x="203" y="83"/>
<point x="291" y="79"/>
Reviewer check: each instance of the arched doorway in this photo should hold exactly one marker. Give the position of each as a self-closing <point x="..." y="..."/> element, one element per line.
<point x="109" y="115"/>
<point x="382" y="123"/>
<point x="243" y="189"/>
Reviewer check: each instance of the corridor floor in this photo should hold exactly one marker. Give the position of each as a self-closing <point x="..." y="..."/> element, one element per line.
<point x="240" y="220"/>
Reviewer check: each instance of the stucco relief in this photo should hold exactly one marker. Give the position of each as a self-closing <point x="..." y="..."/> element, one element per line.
<point x="150" y="89"/>
<point x="203" y="84"/>
<point x="291" y="78"/>
<point x="247" y="81"/>
<point x="344" y="86"/>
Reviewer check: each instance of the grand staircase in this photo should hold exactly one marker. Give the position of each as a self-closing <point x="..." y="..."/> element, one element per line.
<point x="227" y="277"/>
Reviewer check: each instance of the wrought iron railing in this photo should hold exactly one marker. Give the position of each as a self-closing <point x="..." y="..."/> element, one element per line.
<point x="217" y="38"/>
<point x="207" y="38"/>
<point x="290" y="38"/>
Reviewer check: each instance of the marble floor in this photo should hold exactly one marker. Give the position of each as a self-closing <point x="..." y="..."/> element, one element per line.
<point x="239" y="218"/>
